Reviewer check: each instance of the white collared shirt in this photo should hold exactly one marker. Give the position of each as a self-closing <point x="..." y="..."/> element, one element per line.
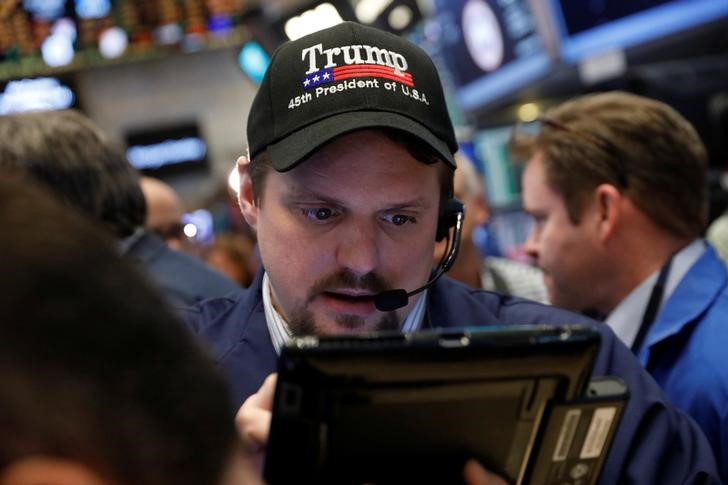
<point x="626" y="318"/>
<point x="280" y="332"/>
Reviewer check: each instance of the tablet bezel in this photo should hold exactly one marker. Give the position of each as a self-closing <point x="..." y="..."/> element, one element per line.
<point x="349" y="409"/>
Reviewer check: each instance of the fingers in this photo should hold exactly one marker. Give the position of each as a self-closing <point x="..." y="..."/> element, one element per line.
<point x="253" y="419"/>
<point x="267" y="391"/>
<point x="253" y="425"/>
<point x="475" y="474"/>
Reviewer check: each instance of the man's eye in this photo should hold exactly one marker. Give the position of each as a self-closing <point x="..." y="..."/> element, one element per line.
<point x="538" y="222"/>
<point x="400" y="219"/>
<point x="318" y="214"/>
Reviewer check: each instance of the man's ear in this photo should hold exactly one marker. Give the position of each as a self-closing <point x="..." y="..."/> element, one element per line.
<point x="44" y="470"/>
<point x="478" y="209"/>
<point x="607" y="205"/>
<point x="245" y="193"/>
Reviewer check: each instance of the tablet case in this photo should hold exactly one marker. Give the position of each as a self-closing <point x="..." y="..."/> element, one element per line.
<point x="393" y="408"/>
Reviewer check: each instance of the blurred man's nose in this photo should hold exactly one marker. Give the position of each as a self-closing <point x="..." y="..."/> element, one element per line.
<point x="530" y="247"/>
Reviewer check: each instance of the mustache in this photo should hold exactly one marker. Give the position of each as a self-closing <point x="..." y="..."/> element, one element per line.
<point x="370" y="282"/>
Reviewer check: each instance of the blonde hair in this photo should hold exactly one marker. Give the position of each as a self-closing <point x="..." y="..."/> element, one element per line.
<point x="641" y="146"/>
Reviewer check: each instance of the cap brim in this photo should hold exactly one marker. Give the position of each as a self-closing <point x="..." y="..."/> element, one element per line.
<point x="296" y="147"/>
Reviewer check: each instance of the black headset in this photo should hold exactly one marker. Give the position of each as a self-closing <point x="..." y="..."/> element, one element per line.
<point x="448" y="219"/>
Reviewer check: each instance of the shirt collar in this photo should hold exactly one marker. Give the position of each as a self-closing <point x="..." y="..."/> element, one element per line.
<point x="626" y="317"/>
<point x="280" y="333"/>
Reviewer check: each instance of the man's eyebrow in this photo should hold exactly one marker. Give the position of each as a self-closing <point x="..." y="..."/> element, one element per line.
<point x="417" y="202"/>
<point x="300" y="192"/>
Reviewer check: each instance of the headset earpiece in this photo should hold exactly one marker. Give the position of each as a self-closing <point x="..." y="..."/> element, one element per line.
<point x="448" y="218"/>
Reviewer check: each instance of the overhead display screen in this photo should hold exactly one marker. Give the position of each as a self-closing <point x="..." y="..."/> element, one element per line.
<point x="167" y="150"/>
<point x="36" y="94"/>
<point x="45" y="36"/>
<point x="491" y="47"/>
<point x="590" y="28"/>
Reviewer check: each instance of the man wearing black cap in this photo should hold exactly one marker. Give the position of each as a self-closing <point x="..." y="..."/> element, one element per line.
<point x="348" y="184"/>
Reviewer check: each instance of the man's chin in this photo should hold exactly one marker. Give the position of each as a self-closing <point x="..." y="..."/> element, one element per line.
<point x="307" y="322"/>
<point x="350" y="325"/>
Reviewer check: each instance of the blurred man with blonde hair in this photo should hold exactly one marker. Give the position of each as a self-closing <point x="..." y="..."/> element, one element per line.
<point x="617" y="186"/>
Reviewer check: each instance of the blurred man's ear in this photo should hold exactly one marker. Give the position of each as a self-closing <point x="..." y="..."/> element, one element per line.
<point x="478" y="208"/>
<point x="42" y="470"/>
<point x="245" y="194"/>
<point x="607" y="206"/>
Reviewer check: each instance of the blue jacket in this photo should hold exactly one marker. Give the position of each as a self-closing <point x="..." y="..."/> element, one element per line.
<point x="655" y="443"/>
<point x="183" y="279"/>
<point x="686" y="349"/>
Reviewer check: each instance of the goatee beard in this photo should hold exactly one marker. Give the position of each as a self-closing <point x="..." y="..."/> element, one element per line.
<point x="301" y="321"/>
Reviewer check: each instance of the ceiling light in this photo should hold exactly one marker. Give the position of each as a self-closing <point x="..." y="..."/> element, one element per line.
<point x="310" y="21"/>
<point x="367" y="11"/>
<point x="528" y="112"/>
<point x="400" y="17"/>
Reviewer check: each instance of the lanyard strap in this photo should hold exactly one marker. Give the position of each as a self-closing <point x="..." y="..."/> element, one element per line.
<point x="653" y="306"/>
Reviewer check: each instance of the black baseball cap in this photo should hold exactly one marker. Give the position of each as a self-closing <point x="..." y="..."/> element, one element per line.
<point x="342" y="79"/>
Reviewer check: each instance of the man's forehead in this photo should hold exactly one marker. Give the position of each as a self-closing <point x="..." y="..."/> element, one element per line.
<point x="359" y="150"/>
<point x="535" y="169"/>
<point x="318" y="180"/>
<point x="534" y="181"/>
<point x="339" y="180"/>
<point x="538" y="196"/>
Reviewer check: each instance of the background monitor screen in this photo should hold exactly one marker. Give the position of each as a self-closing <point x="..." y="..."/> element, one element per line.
<point x="590" y="28"/>
<point x="36" y="94"/>
<point x="167" y="150"/>
<point x="508" y="226"/>
<point x="502" y="177"/>
<point x="491" y="48"/>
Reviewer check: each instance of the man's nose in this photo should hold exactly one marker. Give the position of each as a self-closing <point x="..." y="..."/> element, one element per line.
<point x="530" y="247"/>
<point x="358" y="250"/>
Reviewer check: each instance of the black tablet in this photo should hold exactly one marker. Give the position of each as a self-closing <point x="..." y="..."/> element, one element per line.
<point x="393" y="408"/>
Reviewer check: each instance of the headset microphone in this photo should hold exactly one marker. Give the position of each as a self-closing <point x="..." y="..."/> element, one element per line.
<point x="391" y="300"/>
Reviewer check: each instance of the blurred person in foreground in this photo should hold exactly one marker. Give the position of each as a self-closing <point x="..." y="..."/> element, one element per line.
<point x="75" y="159"/>
<point x="617" y="186"/>
<point x="491" y="272"/>
<point x="346" y="184"/>
<point x="101" y="384"/>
